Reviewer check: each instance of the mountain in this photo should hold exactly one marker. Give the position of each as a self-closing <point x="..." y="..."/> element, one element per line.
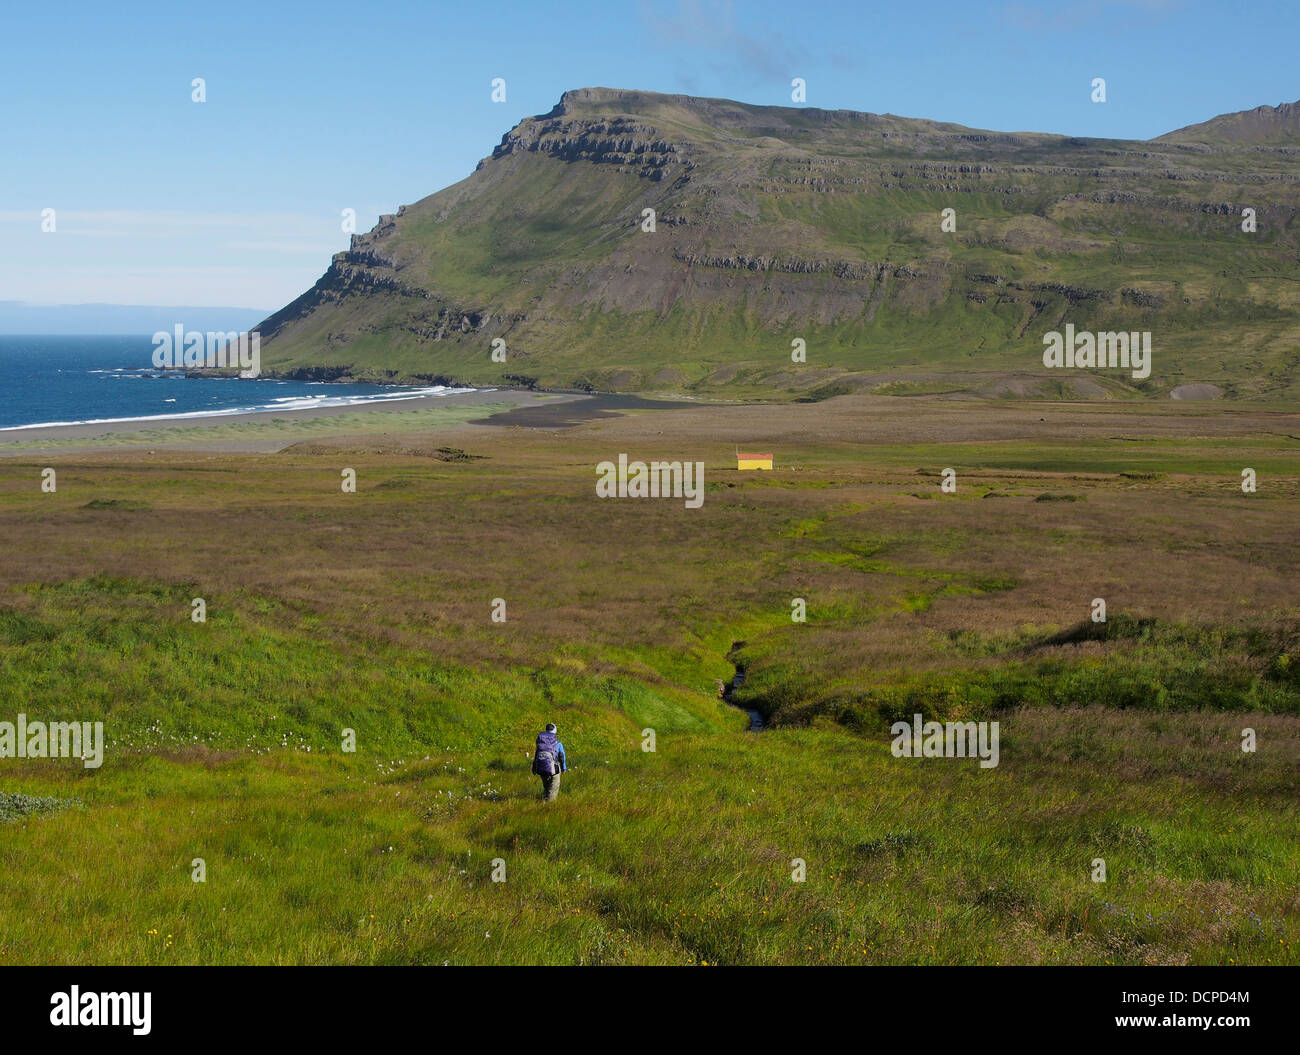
<point x="1262" y="126"/>
<point x="774" y="224"/>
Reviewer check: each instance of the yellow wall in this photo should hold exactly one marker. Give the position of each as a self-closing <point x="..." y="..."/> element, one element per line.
<point x="754" y="463"/>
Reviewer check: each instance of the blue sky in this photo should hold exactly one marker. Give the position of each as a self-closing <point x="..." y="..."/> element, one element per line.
<point x="316" y="107"/>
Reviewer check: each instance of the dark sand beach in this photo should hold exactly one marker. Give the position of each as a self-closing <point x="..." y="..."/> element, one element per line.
<point x="564" y="413"/>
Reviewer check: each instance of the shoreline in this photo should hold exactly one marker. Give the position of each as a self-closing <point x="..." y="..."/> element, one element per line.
<point x="34" y="438"/>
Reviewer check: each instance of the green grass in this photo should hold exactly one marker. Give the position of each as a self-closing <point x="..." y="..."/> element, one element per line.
<point x="390" y="861"/>
<point x="274" y="429"/>
<point x="370" y="612"/>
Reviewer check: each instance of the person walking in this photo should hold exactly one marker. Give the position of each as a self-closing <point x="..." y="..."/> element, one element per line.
<point x="549" y="761"/>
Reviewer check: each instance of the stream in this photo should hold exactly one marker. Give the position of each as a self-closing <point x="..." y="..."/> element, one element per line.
<point x="737" y="680"/>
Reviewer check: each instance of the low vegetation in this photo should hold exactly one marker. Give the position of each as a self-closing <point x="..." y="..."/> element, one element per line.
<point x="371" y="611"/>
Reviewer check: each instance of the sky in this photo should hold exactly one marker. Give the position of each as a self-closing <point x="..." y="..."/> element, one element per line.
<point x="314" y="108"/>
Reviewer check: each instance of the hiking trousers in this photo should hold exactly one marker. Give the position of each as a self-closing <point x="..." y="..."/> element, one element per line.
<point x="551" y="787"/>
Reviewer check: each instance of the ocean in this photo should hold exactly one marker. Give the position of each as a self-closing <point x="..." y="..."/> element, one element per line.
<point x="88" y="380"/>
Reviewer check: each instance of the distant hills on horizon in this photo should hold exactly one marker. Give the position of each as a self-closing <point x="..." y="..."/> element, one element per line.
<point x="19" y="319"/>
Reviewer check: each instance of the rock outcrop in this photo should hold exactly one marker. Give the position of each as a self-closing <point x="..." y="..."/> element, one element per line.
<point x="626" y="237"/>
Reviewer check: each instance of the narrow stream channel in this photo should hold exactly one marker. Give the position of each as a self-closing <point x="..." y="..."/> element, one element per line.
<point x="737" y="680"/>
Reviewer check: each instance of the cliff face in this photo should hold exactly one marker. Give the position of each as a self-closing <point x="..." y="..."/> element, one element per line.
<point x="776" y="223"/>
<point x="618" y="141"/>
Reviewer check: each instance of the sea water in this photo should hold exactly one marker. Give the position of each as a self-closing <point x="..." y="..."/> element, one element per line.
<point x="87" y="380"/>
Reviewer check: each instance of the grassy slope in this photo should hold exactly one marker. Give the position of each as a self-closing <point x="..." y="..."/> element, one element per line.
<point x="371" y="611"/>
<point x="549" y="252"/>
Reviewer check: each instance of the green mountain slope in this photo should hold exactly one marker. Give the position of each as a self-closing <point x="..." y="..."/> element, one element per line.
<point x="776" y="223"/>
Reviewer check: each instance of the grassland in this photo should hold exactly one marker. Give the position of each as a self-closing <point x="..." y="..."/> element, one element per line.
<point x="254" y="431"/>
<point x="372" y="611"/>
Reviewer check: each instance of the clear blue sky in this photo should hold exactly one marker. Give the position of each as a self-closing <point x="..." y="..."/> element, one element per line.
<point x="316" y="107"/>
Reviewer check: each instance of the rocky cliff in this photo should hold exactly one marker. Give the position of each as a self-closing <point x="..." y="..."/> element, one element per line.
<point x="777" y="224"/>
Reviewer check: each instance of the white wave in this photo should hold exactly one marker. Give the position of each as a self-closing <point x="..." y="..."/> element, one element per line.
<point x="282" y="403"/>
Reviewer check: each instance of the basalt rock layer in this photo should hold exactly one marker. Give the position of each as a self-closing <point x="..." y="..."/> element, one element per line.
<point x="778" y="225"/>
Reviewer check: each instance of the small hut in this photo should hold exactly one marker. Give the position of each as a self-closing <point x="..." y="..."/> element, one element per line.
<point x="753" y="461"/>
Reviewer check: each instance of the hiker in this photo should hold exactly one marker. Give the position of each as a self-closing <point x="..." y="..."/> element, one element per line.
<point x="549" y="762"/>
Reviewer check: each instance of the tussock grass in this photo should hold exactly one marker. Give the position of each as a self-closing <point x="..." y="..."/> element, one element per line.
<point x="371" y="611"/>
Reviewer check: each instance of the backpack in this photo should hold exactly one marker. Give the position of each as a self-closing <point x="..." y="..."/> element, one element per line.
<point x="546" y="759"/>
